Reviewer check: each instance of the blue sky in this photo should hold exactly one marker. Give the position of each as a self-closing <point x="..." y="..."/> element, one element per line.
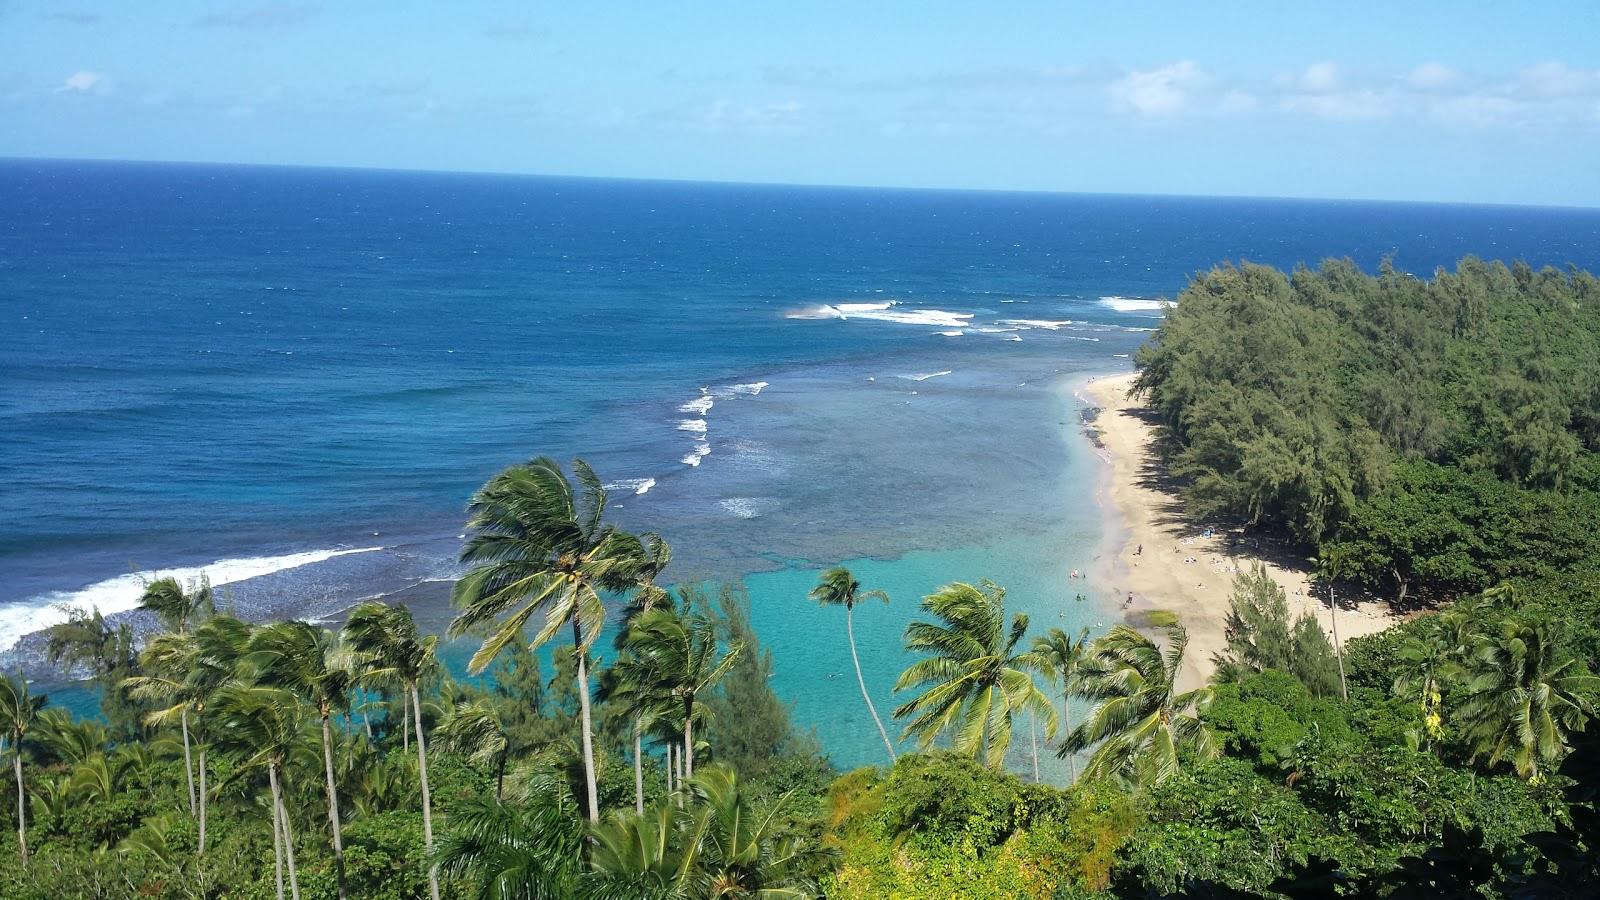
<point x="1460" y="101"/>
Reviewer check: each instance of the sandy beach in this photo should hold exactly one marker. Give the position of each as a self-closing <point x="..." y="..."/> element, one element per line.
<point x="1164" y="559"/>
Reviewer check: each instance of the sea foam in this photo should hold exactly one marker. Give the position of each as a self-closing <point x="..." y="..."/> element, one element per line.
<point x="1132" y="304"/>
<point x="635" y="485"/>
<point x="1047" y="324"/>
<point x="886" y="311"/>
<point x="120" y="594"/>
<point x="699" y="405"/>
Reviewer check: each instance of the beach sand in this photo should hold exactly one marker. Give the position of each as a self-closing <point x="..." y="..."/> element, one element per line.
<point x="1182" y="568"/>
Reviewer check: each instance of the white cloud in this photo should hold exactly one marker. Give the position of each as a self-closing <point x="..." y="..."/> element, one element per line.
<point x="1432" y="76"/>
<point x="1476" y="110"/>
<point x="1341" y="105"/>
<point x="1319" y="78"/>
<point x="1162" y="91"/>
<point x="84" y="82"/>
<point x="1557" y="79"/>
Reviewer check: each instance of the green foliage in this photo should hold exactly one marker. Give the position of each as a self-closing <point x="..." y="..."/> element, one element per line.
<point x="1421" y="415"/>
<point x="944" y="798"/>
<point x="1262" y="717"/>
<point x="1260" y="636"/>
<point x="974" y="677"/>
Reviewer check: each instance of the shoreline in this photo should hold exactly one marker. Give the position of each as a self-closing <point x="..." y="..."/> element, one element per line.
<point x="1156" y="554"/>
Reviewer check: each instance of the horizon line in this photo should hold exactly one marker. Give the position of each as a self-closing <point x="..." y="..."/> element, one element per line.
<point x="501" y="173"/>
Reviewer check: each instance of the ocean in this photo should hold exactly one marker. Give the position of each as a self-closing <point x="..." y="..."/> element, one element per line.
<point x="292" y="379"/>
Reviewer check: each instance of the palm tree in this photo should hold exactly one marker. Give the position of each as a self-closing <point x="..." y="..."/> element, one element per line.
<point x="177" y="608"/>
<point x="1333" y="566"/>
<point x="473" y="730"/>
<point x="538" y="545"/>
<point x="837" y="587"/>
<point x="1522" y="702"/>
<point x="18" y="712"/>
<point x="186" y="671"/>
<point x="722" y="844"/>
<point x="1139" y="720"/>
<point x="642" y="855"/>
<point x="1059" y="654"/>
<point x="530" y="850"/>
<point x="655" y="555"/>
<point x="303" y="659"/>
<point x="629" y="683"/>
<point x="677" y="655"/>
<point x="264" y="724"/>
<point x="737" y="844"/>
<point x="388" y="639"/>
<point x="975" y="681"/>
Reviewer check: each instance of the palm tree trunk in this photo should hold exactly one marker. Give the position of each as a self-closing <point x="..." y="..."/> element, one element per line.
<point x="688" y="738"/>
<point x="366" y="722"/>
<point x="427" y="801"/>
<point x="584" y="716"/>
<point x="1066" y="723"/>
<point x="638" y="765"/>
<point x="500" y="774"/>
<point x="1033" y="735"/>
<point x="1338" y="648"/>
<point x="201" y="847"/>
<point x="188" y="762"/>
<point x="405" y="721"/>
<point x="288" y="833"/>
<point x="277" y="833"/>
<point x="333" y="806"/>
<point x="671" y="784"/>
<point x="850" y="630"/>
<point x="22" y="806"/>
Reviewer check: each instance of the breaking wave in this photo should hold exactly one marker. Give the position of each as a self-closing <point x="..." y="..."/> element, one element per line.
<point x="1132" y="304"/>
<point x="120" y="594"/>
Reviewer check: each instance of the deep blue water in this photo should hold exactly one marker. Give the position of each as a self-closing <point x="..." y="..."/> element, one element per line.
<point x="205" y="363"/>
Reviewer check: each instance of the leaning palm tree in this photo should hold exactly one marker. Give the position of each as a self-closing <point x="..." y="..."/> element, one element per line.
<point x="975" y="680"/>
<point x="1060" y="653"/>
<point x="837" y="587"/>
<point x="18" y="712"/>
<point x="678" y="656"/>
<point x="177" y="609"/>
<point x="304" y="659"/>
<point x="387" y="639"/>
<point x="536" y="544"/>
<point x="1522" y="701"/>
<point x="166" y="660"/>
<point x="655" y="555"/>
<point x="185" y="671"/>
<point x="473" y="730"/>
<point x="628" y="683"/>
<point x="263" y="723"/>
<point x="1139" y="719"/>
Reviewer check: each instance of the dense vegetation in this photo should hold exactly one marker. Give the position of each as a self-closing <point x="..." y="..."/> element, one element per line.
<point x="1448" y="756"/>
<point x="1440" y="435"/>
